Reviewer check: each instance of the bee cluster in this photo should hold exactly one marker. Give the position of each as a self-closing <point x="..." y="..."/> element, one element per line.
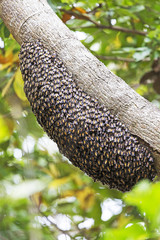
<point x="85" y="131"/>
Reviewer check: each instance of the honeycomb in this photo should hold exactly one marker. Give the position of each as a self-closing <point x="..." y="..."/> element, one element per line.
<point x="86" y="132"/>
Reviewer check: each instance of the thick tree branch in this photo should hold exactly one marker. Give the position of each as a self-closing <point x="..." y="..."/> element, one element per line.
<point x="32" y="20"/>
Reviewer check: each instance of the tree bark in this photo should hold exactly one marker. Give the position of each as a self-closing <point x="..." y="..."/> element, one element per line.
<point x="31" y="20"/>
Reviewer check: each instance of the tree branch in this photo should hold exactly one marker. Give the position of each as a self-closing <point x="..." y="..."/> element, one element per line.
<point x="65" y="232"/>
<point x="100" y="26"/>
<point x="32" y="20"/>
<point x="123" y="59"/>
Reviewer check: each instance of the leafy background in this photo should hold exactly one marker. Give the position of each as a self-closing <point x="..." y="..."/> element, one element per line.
<point x="43" y="196"/>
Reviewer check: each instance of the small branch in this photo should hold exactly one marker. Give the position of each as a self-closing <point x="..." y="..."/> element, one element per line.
<point x="66" y="232"/>
<point x="94" y="10"/>
<point x="114" y="28"/>
<point x="101" y="26"/>
<point x="114" y="58"/>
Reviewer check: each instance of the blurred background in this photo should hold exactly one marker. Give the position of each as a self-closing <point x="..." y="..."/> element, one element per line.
<point x="42" y="195"/>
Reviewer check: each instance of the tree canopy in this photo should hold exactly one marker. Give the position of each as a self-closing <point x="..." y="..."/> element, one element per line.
<point x="42" y="195"/>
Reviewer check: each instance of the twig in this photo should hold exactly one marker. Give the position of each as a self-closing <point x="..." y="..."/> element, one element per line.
<point x="55" y="225"/>
<point x="93" y="11"/>
<point x="66" y="232"/>
<point x="114" y="28"/>
<point x="120" y="58"/>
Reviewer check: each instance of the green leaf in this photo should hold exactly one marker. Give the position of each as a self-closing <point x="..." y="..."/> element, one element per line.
<point x="6" y="32"/>
<point x="18" y="85"/>
<point x="145" y="196"/>
<point x="137" y="8"/>
<point x="126" y="12"/>
<point x="154" y="33"/>
<point x="4" y="130"/>
<point x="142" y="53"/>
<point x="133" y="231"/>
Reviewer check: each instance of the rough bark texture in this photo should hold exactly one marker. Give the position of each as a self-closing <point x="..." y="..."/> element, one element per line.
<point x="32" y="20"/>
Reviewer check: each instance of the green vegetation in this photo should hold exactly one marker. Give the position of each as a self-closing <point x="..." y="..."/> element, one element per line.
<point x="43" y="196"/>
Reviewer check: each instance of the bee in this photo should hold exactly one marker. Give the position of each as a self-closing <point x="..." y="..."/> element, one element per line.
<point x="85" y="131"/>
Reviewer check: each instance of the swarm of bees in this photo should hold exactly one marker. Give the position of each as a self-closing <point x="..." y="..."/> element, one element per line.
<point x="85" y="131"/>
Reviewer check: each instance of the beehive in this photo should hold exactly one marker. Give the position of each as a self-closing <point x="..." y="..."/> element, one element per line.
<point x="86" y="132"/>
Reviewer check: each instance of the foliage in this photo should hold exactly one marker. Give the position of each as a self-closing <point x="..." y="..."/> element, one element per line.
<point x="146" y="211"/>
<point x="43" y="196"/>
<point x="129" y="51"/>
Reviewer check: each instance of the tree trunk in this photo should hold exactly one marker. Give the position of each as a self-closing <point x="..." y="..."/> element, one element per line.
<point x="32" y="20"/>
